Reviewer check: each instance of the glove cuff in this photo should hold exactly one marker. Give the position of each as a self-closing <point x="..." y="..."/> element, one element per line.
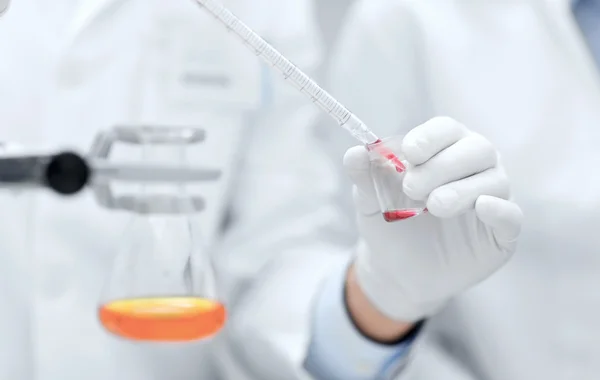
<point x="387" y="294"/>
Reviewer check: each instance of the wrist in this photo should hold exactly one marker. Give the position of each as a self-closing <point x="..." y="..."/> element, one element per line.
<point x="372" y="323"/>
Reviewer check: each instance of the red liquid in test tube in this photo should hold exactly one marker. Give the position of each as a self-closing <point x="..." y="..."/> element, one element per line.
<point x="395" y="215"/>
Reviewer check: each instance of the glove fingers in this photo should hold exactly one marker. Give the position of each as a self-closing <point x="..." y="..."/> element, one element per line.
<point x="470" y="155"/>
<point x="503" y="217"/>
<point x="458" y="197"/>
<point x="357" y="166"/>
<point x="428" y="139"/>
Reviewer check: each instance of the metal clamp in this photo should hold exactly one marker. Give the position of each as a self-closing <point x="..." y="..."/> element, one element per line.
<point x="148" y="203"/>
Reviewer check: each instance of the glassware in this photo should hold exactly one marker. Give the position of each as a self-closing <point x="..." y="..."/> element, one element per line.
<point x="162" y="286"/>
<point x="388" y="175"/>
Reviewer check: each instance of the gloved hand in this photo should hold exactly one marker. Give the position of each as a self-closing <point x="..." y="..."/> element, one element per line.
<point x="411" y="268"/>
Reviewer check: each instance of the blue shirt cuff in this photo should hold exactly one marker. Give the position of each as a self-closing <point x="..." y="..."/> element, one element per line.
<point x="338" y="351"/>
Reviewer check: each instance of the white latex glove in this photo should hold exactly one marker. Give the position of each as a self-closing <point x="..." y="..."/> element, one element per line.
<point x="411" y="268"/>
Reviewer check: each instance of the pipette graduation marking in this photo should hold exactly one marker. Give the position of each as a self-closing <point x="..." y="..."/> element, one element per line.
<point x="295" y="76"/>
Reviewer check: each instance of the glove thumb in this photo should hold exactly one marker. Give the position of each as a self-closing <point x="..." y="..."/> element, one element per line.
<point x="503" y="217"/>
<point x="357" y="166"/>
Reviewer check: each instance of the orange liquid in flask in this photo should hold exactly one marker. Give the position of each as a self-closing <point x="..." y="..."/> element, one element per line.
<point x="167" y="319"/>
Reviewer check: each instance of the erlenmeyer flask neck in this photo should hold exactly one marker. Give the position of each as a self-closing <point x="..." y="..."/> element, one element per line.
<point x="165" y="198"/>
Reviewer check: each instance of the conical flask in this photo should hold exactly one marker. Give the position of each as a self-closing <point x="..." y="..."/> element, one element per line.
<point x="162" y="285"/>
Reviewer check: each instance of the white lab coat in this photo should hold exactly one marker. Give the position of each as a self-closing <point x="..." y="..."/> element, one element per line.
<point x="520" y="73"/>
<point x="70" y="69"/>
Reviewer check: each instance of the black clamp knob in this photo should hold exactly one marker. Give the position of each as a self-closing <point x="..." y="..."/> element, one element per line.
<point x="67" y="173"/>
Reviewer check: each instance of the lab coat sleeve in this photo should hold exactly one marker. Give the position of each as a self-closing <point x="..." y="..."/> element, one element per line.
<point x="338" y="351"/>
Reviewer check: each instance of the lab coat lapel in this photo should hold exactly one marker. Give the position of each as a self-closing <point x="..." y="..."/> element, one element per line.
<point x="87" y="13"/>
